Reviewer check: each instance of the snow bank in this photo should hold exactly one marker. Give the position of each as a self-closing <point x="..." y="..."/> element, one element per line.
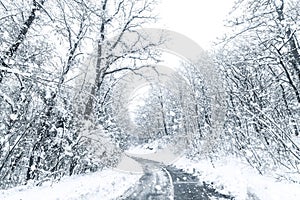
<point x="160" y="150"/>
<point x="147" y="148"/>
<point x="127" y="164"/>
<point x="235" y="177"/>
<point x="104" y="185"/>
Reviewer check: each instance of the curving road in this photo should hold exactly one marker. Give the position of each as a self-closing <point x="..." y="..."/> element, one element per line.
<point x="161" y="182"/>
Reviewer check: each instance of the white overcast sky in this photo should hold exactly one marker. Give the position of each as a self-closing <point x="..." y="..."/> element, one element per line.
<point x="200" y="20"/>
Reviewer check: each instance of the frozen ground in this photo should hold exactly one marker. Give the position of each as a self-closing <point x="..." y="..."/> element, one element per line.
<point x="235" y="177"/>
<point x="147" y="148"/>
<point x="108" y="184"/>
<point x="160" y="150"/>
<point x="229" y="175"/>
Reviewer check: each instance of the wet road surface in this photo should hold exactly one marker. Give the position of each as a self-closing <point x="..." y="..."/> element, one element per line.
<point x="187" y="186"/>
<point x="161" y="182"/>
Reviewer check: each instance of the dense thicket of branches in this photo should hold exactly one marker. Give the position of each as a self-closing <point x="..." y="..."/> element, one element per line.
<point x="261" y="66"/>
<point x="57" y="64"/>
<point x="176" y="108"/>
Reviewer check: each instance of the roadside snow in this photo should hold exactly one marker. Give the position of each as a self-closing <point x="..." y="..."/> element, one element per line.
<point x="146" y="148"/>
<point x="235" y="177"/>
<point x="158" y="150"/>
<point x="127" y="164"/>
<point x="104" y="185"/>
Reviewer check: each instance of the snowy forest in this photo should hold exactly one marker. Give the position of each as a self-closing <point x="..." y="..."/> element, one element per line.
<point x="64" y="108"/>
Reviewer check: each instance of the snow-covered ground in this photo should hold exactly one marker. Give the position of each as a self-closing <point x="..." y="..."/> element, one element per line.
<point x="147" y="148"/>
<point x="105" y="185"/>
<point x="160" y="150"/>
<point x="229" y="175"/>
<point x="234" y="176"/>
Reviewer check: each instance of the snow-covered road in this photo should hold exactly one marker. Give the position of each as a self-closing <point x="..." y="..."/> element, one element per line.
<point x="154" y="184"/>
<point x="166" y="182"/>
<point x="185" y="179"/>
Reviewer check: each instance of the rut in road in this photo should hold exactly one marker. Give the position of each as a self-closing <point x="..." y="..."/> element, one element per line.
<point x="161" y="182"/>
<point x="153" y="185"/>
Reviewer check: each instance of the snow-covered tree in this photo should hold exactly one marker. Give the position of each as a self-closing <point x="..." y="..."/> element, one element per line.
<point x="45" y="92"/>
<point x="260" y="64"/>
